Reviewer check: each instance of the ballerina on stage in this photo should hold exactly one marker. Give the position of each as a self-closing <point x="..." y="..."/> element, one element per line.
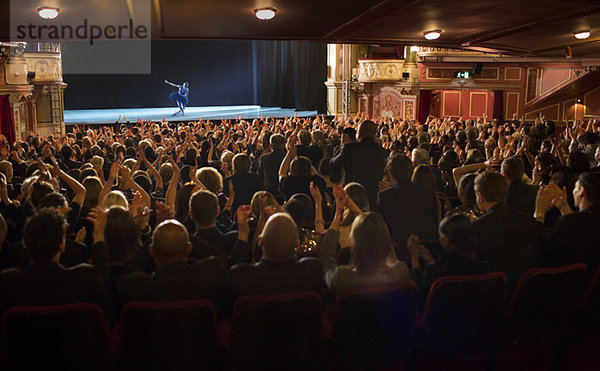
<point x="180" y="97"/>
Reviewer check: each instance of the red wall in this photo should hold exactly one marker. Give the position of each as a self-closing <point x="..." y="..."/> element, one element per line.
<point x="465" y="103"/>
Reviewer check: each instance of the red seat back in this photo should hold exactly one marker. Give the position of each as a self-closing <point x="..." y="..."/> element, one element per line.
<point x="544" y="303"/>
<point x="67" y="337"/>
<point x="463" y="313"/>
<point x="372" y="326"/>
<point x="176" y="335"/>
<point x="277" y="331"/>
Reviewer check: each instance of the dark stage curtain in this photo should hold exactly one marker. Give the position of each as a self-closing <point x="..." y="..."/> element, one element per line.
<point x="424" y="104"/>
<point x="290" y="74"/>
<point x="6" y="121"/>
<point x="498" y="105"/>
<point x="220" y="73"/>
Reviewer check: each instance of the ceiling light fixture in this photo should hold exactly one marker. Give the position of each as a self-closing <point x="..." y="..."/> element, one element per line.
<point x="433" y="34"/>
<point x="265" y="13"/>
<point x="582" y="35"/>
<point x="47" y="12"/>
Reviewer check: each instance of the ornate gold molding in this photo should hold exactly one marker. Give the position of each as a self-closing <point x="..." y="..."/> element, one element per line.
<point x="375" y="70"/>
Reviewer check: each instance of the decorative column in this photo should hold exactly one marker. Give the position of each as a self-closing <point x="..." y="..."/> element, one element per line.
<point x="342" y="69"/>
<point x="44" y="60"/>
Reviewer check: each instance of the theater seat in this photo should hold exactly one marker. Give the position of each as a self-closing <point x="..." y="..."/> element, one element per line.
<point x="540" y="317"/>
<point x="372" y="327"/>
<point x="277" y="331"/>
<point x="461" y="321"/>
<point x="167" y="336"/>
<point x="592" y="300"/>
<point x="62" y="337"/>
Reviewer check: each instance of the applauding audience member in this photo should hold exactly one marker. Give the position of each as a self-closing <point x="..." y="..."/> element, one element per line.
<point x="45" y="281"/>
<point x="278" y="272"/>
<point x="575" y="236"/>
<point x="459" y="243"/>
<point x="373" y="259"/>
<point x="509" y="240"/>
<point x="174" y="279"/>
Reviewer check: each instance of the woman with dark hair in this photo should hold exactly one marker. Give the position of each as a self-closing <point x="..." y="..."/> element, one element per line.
<point x="423" y="175"/>
<point x="245" y="183"/>
<point x="122" y="234"/>
<point x="458" y="241"/>
<point x="182" y="202"/>
<point x="544" y="166"/>
<point x="300" y="208"/>
<point x="300" y="175"/>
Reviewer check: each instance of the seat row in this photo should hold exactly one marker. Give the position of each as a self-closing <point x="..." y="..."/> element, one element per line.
<point x="465" y="324"/>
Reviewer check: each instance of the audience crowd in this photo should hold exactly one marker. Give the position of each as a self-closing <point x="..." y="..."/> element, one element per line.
<point x="164" y="211"/>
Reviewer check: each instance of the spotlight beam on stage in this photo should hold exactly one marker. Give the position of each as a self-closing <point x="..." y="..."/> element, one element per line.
<point x="109" y="116"/>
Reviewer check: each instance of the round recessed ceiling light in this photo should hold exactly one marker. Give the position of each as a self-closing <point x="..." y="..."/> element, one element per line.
<point x="265" y="13"/>
<point x="48" y="12"/>
<point x="582" y="35"/>
<point x="433" y="34"/>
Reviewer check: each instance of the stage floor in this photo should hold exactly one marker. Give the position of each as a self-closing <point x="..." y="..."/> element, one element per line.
<point x="106" y="116"/>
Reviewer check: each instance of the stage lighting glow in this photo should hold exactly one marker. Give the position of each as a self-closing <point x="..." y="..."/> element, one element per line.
<point x="582" y="35"/>
<point x="265" y="13"/>
<point x="47" y="12"/>
<point x="414" y="49"/>
<point x="433" y="34"/>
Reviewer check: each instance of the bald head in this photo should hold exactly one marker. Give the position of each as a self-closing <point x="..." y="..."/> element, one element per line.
<point x="367" y="130"/>
<point x="170" y="243"/>
<point x="279" y="238"/>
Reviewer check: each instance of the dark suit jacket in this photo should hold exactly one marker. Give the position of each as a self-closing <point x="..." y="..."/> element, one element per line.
<point x="244" y="185"/>
<point x="315" y="155"/>
<point x="575" y="238"/>
<point x="52" y="284"/>
<point x="234" y="249"/>
<point x="206" y="279"/>
<point x="16" y="256"/>
<point x="409" y="208"/>
<point x="69" y="164"/>
<point x="522" y="196"/>
<point x="276" y="278"/>
<point x="362" y="162"/>
<point x="509" y="241"/>
<point x="268" y="170"/>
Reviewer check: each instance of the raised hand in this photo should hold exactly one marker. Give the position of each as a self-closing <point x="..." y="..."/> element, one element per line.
<point x="243" y="213"/>
<point x="163" y="212"/>
<point x="231" y="190"/>
<point x="316" y="193"/>
<point x="81" y="234"/>
<point x="97" y="216"/>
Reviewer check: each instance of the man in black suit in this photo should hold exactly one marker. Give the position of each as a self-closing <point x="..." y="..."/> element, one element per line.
<point x="302" y="149"/>
<point x="268" y="168"/>
<point x="66" y="162"/>
<point x="407" y="208"/>
<point x="363" y="161"/>
<point x="174" y="279"/>
<point x="278" y="272"/>
<point x="204" y="209"/>
<point x="575" y="236"/>
<point x="509" y="240"/>
<point x="75" y="253"/>
<point x="245" y="183"/>
<point x="45" y="281"/>
<point x="521" y="196"/>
